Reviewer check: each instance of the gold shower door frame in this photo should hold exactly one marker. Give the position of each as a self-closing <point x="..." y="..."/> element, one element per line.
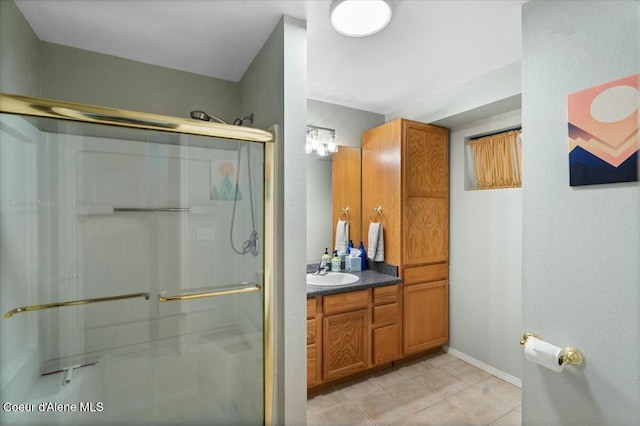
<point x="46" y="108"/>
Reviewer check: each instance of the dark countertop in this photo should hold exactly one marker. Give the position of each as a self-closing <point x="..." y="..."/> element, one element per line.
<point x="367" y="279"/>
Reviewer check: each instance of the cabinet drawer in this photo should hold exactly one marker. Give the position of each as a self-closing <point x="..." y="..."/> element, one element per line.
<point x="382" y="295"/>
<point x="385" y="314"/>
<point x="311" y="331"/>
<point x="311" y="307"/>
<point x="345" y="301"/>
<point x="423" y="274"/>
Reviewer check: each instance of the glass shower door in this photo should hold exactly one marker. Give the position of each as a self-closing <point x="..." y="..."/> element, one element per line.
<point x="131" y="276"/>
<point x="208" y="360"/>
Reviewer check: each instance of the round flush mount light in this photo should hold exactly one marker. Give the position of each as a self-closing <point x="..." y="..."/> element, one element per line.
<point x="359" y="18"/>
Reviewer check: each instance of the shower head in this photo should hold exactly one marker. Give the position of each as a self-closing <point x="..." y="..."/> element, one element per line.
<point x="240" y="121"/>
<point x="201" y="115"/>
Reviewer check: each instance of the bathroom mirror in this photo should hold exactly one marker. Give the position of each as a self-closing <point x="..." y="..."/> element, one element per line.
<point x="333" y="184"/>
<point x="346" y="173"/>
<point x="349" y="123"/>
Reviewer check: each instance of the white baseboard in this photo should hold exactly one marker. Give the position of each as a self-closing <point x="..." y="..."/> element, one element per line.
<point x="482" y="366"/>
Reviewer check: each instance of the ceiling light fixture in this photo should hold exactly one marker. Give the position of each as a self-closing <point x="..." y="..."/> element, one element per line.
<point x="359" y="18"/>
<point x="321" y="141"/>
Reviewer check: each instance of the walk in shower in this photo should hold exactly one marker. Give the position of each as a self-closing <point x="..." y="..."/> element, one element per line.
<point x="135" y="268"/>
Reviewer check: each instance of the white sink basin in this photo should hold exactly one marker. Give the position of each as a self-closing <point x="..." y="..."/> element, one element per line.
<point x="332" y="279"/>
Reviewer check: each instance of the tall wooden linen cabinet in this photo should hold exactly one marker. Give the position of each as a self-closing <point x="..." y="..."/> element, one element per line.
<point x="405" y="173"/>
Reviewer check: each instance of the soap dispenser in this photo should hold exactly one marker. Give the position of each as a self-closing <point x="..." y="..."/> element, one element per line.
<point x="336" y="262"/>
<point x="363" y="257"/>
<point x="326" y="259"/>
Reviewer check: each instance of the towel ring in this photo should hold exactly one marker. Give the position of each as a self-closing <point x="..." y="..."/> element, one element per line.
<point x="345" y="213"/>
<point x="379" y="211"/>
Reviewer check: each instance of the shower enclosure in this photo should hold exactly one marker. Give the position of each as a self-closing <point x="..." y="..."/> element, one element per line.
<point x="135" y="268"/>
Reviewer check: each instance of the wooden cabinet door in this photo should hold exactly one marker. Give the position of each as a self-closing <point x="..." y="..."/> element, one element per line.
<point x="346" y="190"/>
<point x="312" y="361"/>
<point x="425" y="159"/>
<point x="425" y="165"/>
<point x="385" y="344"/>
<point x="381" y="185"/>
<point x="314" y="340"/>
<point x="344" y="344"/>
<point x="425" y="316"/>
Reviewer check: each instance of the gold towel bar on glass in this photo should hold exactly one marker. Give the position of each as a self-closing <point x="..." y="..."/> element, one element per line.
<point x="248" y="289"/>
<point x="74" y="303"/>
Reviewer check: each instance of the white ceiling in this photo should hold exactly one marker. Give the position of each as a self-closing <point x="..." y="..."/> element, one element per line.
<point x="429" y="47"/>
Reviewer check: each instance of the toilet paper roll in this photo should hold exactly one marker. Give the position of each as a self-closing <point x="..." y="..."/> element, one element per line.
<point x="544" y="354"/>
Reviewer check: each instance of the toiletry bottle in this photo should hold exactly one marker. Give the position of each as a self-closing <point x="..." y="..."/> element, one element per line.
<point x="335" y="262"/>
<point x="363" y="257"/>
<point x="326" y="259"/>
<point x="349" y="247"/>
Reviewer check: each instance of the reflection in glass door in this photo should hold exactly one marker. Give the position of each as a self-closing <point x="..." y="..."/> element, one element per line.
<point x="132" y="274"/>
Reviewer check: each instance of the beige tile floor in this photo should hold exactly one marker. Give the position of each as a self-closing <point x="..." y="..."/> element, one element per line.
<point x="436" y="390"/>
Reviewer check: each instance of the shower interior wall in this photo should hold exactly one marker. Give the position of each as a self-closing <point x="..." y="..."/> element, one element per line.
<point x="58" y="254"/>
<point x="66" y="256"/>
<point x="88" y="77"/>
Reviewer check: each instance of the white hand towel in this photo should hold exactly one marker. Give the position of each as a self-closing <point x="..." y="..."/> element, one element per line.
<point x="342" y="236"/>
<point x="376" y="242"/>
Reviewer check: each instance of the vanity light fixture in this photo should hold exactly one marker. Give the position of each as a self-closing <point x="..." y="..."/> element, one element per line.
<point x="321" y="141"/>
<point x="359" y="18"/>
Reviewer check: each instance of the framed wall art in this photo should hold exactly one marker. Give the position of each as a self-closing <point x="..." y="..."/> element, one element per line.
<point x="603" y="133"/>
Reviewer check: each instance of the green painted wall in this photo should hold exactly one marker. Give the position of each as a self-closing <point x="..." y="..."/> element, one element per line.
<point x="19" y="60"/>
<point x="83" y="76"/>
<point x="32" y="67"/>
<point x="274" y="88"/>
<point x="581" y="245"/>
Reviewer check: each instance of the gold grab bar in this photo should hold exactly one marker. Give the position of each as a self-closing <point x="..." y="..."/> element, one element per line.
<point x="252" y="287"/>
<point x="74" y="303"/>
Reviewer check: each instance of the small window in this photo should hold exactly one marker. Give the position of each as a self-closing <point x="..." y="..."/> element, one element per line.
<point x="495" y="161"/>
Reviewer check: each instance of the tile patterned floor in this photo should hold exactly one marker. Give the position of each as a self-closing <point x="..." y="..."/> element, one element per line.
<point x="436" y="390"/>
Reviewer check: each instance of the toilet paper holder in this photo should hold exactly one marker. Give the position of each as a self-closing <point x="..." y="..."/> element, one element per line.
<point x="570" y="355"/>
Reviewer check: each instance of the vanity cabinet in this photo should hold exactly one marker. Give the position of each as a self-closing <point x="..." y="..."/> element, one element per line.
<point x="351" y="332"/>
<point x="405" y="172"/>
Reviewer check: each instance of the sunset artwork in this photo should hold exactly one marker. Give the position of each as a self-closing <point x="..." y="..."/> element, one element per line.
<point x="603" y="133"/>
<point x="224" y="181"/>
